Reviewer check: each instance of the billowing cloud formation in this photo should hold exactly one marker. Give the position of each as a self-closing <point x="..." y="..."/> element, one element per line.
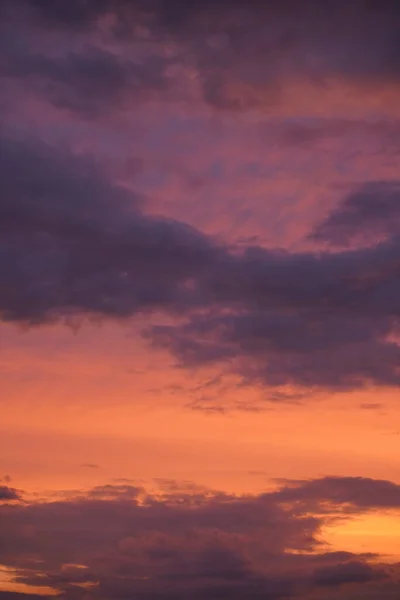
<point x="71" y="240"/>
<point x="315" y="320"/>
<point x="354" y="493"/>
<point x="88" y="81"/>
<point x="75" y="242"/>
<point x="7" y="493"/>
<point x="351" y="572"/>
<point x="243" y="112"/>
<point x="373" y="211"/>
<point x="241" y="55"/>
<point x="118" y="541"/>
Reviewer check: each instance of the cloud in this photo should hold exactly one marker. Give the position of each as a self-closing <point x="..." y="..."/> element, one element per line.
<point x="88" y="79"/>
<point x="372" y="212"/>
<point x="242" y="56"/>
<point x="120" y="541"/>
<point x="353" y="493"/>
<point x="306" y="132"/>
<point x="350" y="572"/>
<point x="75" y="243"/>
<point x="77" y="14"/>
<point x="318" y="320"/>
<point x="274" y="349"/>
<point x="315" y="320"/>
<point x="19" y="596"/>
<point x="7" y="493"/>
<point x="371" y="406"/>
<point x="150" y="547"/>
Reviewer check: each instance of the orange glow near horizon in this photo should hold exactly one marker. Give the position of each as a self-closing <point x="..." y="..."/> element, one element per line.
<point x="199" y="300"/>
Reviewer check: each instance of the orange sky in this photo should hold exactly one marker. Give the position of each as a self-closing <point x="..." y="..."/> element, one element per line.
<point x="199" y="286"/>
<point x="131" y="425"/>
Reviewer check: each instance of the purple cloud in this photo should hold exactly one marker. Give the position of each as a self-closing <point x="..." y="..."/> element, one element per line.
<point x="119" y="541"/>
<point x="352" y="493"/>
<point x="350" y="572"/>
<point x="7" y="493"/>
<point x="71" y="240"/>
<point x="365" y="215"/>
<point x="75" y="242"/>
<point x="243" y="54"/>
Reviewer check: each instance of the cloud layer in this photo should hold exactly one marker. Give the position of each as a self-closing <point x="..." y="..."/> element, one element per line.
<point x="221" y="177"/>
<point x="78" y="236"/>
<point x="74" y="241"/>
<point x="242" y="57"/>
<point x="119" y="541"/>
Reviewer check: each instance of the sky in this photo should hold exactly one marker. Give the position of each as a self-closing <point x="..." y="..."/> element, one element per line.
<point x="199" y="300"/>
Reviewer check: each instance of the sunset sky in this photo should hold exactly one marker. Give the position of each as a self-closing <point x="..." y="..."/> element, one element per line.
<point x="200" y="299"/>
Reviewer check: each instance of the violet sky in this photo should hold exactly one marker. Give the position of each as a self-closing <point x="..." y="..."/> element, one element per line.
<point x="199" y="299"/>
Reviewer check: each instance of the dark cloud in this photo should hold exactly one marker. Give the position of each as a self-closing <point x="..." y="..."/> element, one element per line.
<point x="263" y="43"/>
<point x="167" y="15"/>
<point x="7" y="493"/>
<point x="19" y="596"/>
<point x="340" y="557"/>
<point x="355" y="493"/>
<point x="350" y="572"/>
<point x="278" y="349"/>
<point x="88" y="80"/>
<point x="243" y="53"/>
<point x="318" y="320"/>
<point x="365" y="215"/>
<point x="73" y="242"/>
<point x="202" y="545"/>
<point x="304" y="132"/>
<point x="120" y="542"/>
<point x="74" y="14"/>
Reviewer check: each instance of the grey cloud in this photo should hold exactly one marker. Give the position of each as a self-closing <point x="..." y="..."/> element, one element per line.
<point x="19" y="596"/>
<point x="354" y="493"/>
<point x="206" y="545"/>
<point x="243" y="53"/>
<point x="89" y="80"/>
<point x="275" y="349"/>
<point x="246" y="53"/>
<point x="73" y="242"/>
<point x="351" y="572"/>
<point x="76" y="14"/>
<point x="340" y="556"/>
<point x="8" y="493"/>
<point x="302" y="132"/>
<point x="155" y="547"/>
<point x="369" y="213"/>
<point x="316" y="320"/>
